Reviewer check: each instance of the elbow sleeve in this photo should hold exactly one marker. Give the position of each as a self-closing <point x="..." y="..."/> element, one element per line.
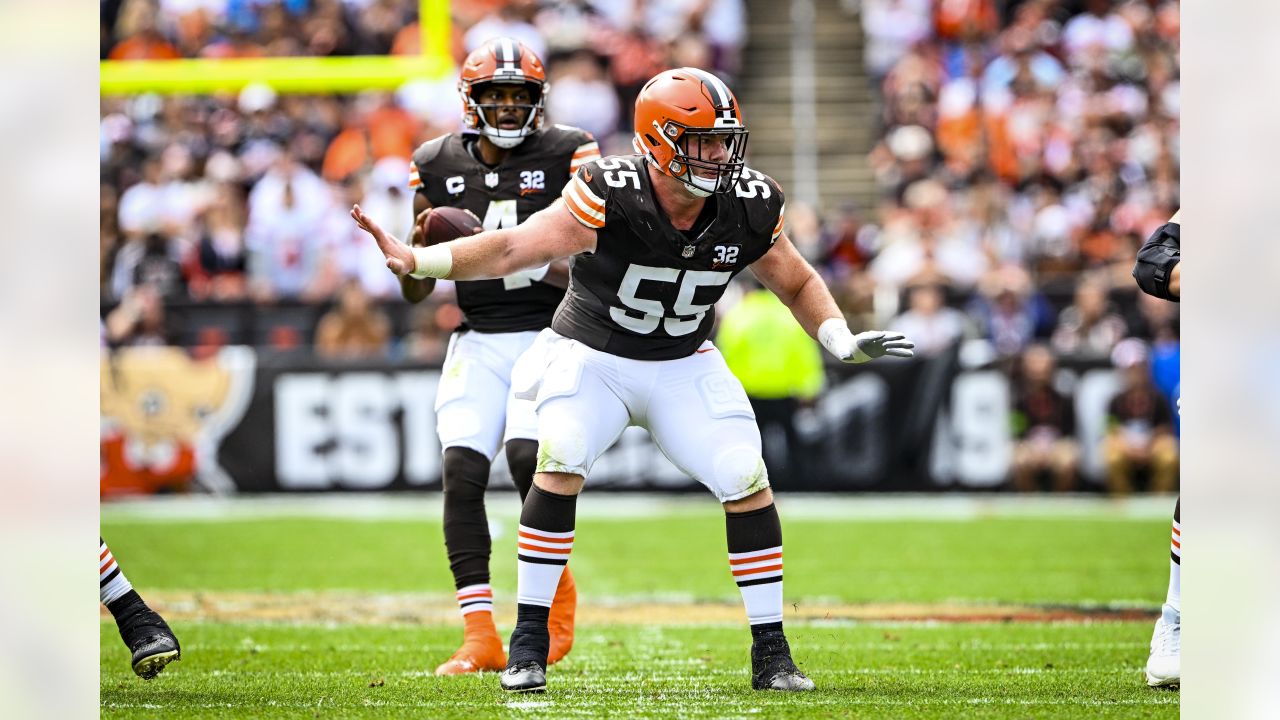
<point x="1156" y="260"/>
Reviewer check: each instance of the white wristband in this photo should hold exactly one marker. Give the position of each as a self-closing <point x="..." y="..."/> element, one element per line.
<point x="432" y="262"/>
<point x="837" y="338"/>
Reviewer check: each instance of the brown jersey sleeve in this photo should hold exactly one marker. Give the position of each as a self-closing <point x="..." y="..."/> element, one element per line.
<point x="587" y="150"/>
<point x="585" y="197"/>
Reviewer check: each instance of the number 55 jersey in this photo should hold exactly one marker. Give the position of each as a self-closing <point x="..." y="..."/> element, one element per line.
<point x="648" y="291"/>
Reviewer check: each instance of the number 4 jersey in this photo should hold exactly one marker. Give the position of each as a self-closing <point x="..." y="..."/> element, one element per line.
<point x="530" y="179"/>
<point x="648" y="290"/>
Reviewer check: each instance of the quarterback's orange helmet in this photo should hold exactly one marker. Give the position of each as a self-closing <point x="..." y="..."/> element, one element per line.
<point x="680" y="113"/>
<point x="502" y="60"/>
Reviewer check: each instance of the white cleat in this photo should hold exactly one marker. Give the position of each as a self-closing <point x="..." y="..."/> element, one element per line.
<point x="1164" y="666"/>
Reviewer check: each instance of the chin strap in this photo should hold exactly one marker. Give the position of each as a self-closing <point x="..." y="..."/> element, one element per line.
<point x="696" y="191"/>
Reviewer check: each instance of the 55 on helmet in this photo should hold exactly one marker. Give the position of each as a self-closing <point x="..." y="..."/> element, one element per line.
<point x="689" y="126"/>
<point x="502" y="61"/>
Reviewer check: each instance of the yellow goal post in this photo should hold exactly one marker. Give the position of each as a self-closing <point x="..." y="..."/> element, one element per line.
<point x="290" y="74"/>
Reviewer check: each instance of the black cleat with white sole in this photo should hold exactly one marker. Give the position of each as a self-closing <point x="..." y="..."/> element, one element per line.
<point x="146" y="634"/>
<point x="153" y="654"/>
<point x="772" y="667"/>
<point x="524" y="677"/>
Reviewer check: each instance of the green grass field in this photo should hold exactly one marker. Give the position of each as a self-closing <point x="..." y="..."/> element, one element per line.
<point x="912" y="608"/>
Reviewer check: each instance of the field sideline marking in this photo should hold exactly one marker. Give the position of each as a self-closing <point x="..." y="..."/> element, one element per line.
<point x="383" y="609"/>
<point x="592" y="506"/>
<point x="831" y="698"/>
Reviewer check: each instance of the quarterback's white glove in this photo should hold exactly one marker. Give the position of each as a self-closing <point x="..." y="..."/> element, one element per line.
<point x="835" y="336"/>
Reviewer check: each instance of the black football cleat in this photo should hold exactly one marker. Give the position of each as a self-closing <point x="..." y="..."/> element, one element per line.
<point x="152" y="655"/>
<point x="524" y="677"/>
<point x="772" y="667"/>
<point x="149" y="638"/>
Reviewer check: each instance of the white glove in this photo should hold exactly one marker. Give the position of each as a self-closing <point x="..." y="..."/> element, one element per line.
<point x="835" y="336"/>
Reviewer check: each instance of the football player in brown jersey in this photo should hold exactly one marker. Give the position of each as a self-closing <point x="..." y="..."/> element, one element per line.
<point x="654" y="239"/>
<point x="504" y="170"/>
<point x="1158" y="271"/>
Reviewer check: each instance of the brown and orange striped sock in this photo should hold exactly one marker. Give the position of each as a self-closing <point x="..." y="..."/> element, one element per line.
<point x="1174" y="598"/>
<point x="545" y="541"/>
<point x="755" y="559"/>
<point x="112" y="584"/>
<point x="475" y="598"/>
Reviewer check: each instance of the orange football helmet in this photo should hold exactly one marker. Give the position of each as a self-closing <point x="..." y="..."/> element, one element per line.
<point x="502" y="60"/>
<point x="677" y="113"/>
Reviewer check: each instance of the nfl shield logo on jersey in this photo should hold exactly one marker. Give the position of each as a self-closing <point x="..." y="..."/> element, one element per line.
<point x="491" y="179"/>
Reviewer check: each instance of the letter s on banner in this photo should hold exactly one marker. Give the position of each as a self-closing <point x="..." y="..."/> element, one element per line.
<point x="980" y="428"/>
<point x="302" y="430"/>
<point x="368" y="455"/>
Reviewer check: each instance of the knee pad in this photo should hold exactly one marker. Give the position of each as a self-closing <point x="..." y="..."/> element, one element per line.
<point x="740" y="472"/>
<point x="466" y="473"/>
<point x="522" y="458"/>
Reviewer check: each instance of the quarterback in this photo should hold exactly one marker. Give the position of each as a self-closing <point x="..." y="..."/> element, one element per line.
<point x="504" y="171"/>
<point x="654" y="239"/>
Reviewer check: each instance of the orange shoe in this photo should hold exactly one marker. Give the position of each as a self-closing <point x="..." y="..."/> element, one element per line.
<point x="560" y="622"/>
<point x="481" y="648"/>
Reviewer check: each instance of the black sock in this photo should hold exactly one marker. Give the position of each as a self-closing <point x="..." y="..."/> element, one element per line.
<point x="763" y="628"/>
<point x="530" y="641"/>
<point x="466" y="525"/>
<point x="125" y="606"/>
<point x="136" y="621"/>
<point x="549" y="512"/>
<point x="755" y="559"/>
<point x="546" y="538"/>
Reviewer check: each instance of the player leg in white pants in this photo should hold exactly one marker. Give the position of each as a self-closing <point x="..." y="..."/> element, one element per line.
<point x="471" y="414"/>
<point x="521" y="442"/>
<point x="700" y="417"/>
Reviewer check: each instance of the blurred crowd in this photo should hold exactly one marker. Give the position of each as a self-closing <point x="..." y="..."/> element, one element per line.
<point x="1025" y="150"/>
<point x="243" y="197"/>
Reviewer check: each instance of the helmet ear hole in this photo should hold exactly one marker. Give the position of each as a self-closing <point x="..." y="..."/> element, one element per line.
<point x="650" y="139"/>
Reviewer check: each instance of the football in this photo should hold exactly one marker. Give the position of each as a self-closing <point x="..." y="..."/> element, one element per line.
<point x="443" y="224"/>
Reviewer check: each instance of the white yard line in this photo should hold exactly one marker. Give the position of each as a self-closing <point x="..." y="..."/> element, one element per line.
<point x="602" y="505"/>
<point x="569" y="703"/>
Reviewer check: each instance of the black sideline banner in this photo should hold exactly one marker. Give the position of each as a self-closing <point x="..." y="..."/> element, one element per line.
<point x="296" y="424"/>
